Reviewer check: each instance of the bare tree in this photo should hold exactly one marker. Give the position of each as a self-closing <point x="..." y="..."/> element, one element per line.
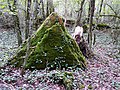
<point x="101" y="6"/>
<point x="92" y="7"/>
<point x="50" y="7"/>
<point x="26" y="55"/>
<point x="43" y="11"/>
<point x="78" y="21"/>
<point x="80" y="12"/>
<point x="36" y="14"/>
<point x="16" y="20"/>
<point x="27" y="36"/>
<point x="27" y="19"/>
<point x="88" y="18"/>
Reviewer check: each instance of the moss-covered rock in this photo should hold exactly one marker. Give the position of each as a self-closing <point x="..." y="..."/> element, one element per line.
<point x="60" y="77"/>
<point x="50" y="45"/>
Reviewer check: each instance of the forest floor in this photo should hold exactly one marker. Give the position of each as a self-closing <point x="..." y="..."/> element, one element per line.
<point x="103" y="72"/>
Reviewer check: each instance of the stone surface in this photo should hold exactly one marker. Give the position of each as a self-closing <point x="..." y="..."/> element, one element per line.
<point x="51" y="45"/>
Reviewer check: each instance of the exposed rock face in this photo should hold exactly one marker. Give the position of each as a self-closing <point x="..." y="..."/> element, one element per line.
<point x="51" y="45"/>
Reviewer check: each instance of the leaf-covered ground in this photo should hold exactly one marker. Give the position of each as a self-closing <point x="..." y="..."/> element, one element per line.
<point x="103" y="72"/>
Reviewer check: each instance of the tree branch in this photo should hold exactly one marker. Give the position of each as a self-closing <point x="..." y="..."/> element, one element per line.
<point x="112" y="9"/>
<point x="111" y="16"/>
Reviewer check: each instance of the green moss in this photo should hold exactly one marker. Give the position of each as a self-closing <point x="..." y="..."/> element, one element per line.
<point x="55" y="46"/>
<point x="19" y="61"/>
<point x="68" y="80"/>
<point x="90" y="87"/>
<point x="85" y="27"/>
<point x="52" y="45"/>
<point x="65" y="78"/>
<point x="81" y="86"/>
<point x="102" y="26"/>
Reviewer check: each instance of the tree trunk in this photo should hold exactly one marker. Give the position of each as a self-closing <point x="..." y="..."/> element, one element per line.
<point x="50" y="7"/>
<point x="100" y="9"/>
<point x="78" y="21"/>
<point x="16" y="21"/>
<point x="47" y="9"/>
<point x="103" y="12"/>
<point x="80" y="13"/>
<point x="27" y="19"/>
<point x="92" y="7"/>
<point x="88" y="14"/>
<point x="65" y="14"/>
<point x="26" y="56"/>
<point x="101" y="6"/>
<point x="43" y="12"/>
<point x="27" y="35"/>
<point x="17" y="26"/>
<point x="35" y="14"/>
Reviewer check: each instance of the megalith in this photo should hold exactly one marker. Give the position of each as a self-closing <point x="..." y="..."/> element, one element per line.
<point x="51" y="45"/>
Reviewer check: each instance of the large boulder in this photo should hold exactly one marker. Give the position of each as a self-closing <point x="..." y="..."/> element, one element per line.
<point x="51" y="45"/>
